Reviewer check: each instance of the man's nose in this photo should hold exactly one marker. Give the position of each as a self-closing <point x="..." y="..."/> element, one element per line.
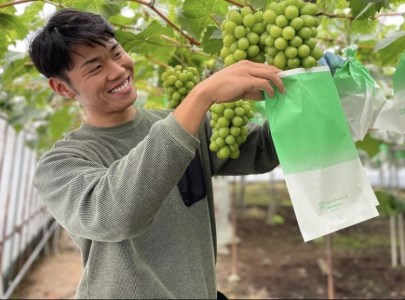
<point x="115" y="70"/>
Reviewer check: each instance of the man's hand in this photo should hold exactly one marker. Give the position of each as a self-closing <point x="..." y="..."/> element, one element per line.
<point x="244" y="79"/>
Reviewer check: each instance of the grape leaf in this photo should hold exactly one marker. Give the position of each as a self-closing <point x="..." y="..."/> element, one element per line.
<point x="12" y="23"/>
<point x="391" y="47"/>
<point x="362" y="9"/>
<point x="390" y="205"/>
<point x="60" y="121"/>
<point x="149" y="42"/>
<point x="370" y="145"/>
<point x="258" y="4"/>
<point x="106" y="8"/>
<point x="3" y="49"/>
<point x="212" y="40"/>
<point x="196" y="15"/>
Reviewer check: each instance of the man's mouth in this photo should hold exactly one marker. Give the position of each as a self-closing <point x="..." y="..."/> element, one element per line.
<point x="120" y="88"/>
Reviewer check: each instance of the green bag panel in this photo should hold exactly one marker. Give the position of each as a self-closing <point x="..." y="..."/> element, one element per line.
<point x="307" y="123"/>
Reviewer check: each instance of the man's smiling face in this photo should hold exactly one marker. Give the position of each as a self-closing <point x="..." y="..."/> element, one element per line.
<point x="102" y="81"/>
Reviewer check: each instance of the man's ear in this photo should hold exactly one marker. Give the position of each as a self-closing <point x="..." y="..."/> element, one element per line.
<point x="61" y="87"/>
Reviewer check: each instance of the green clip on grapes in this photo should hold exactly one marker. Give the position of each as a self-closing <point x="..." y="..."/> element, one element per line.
<point x="178" y="82"/>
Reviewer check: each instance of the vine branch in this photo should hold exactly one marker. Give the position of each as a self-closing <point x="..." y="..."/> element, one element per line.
<point x="151" y="5"/>
<point x="350" y="17"/>
<point x="235" y="3"/>
<point x="6" y="4"/>
<point x="12" y="3"/>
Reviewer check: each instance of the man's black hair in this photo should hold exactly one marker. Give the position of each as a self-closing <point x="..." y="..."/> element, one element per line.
<point x="51" y="48"/>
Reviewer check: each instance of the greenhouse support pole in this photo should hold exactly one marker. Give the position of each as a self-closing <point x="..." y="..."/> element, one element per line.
<point x="329" y="256"/>
<point x="234" y="248"/>
<point x="401" y="238"/>
<point x="393" y="242"/>
<point x="30" y="260"/>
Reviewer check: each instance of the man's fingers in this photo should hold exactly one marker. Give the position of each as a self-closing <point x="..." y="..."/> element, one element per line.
<point x="269" y="73"/>
<point x="259" y="85"/>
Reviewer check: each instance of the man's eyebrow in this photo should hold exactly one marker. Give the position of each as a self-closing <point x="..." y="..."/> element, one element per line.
<point x="90" y="61"/>
<point x="114" y="46"/>
<point x="94" y="59"/>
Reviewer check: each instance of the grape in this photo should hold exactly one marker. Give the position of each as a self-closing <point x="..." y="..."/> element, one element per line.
<point x="275" y="32"/>
<point x="288" y="33"/>
<point x="178" y="81"/>
<point x="258" y="16"/>
<point x="309" y="9"/>
<point x="297" y="23"/>
<point x="229" y="27"/>
<point x="303" y="51"/>
<point x="228" y="40"/>
<point x="293" y="63"/>
<point x="243" y="43"/>
<point x="269" y="16"/>
<point x="280" y="43"/>
<point x="291" y="12"/>
<point x="239" y="55"/>
<point x="291" y="52"/>
<point x="249" y="20"/>
<point x="296" y="41"/>
<point x="305" y="33"/>
<point x="259" y="28"/>
<point x="280" y="60"/>
<point x="269" y="41"/>
<point x="311" y="42"/>
<point x="253" y="38"/>
<point x="308" y="62"/>
<point x="253" y="51"/>
<point x="281" y="21"/>
<point x="235" y="17"/>
<point x="240" y="31"/>
<point x="309" y="21"/>
<point x="246" y="10"/>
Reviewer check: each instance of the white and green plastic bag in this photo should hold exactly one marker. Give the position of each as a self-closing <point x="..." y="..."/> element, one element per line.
<point x="392" y="115"/>
<point x="327" y="184"/>
<point x="361" y="97"/>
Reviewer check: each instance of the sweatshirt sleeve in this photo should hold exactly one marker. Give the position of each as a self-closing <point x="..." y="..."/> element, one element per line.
<point x="120" y="201"/>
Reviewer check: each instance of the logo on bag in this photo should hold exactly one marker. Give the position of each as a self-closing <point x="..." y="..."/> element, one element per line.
<point x="332" y="204"/>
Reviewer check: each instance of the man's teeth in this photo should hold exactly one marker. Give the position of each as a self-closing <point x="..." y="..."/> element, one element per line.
<point x="120" y="88"/>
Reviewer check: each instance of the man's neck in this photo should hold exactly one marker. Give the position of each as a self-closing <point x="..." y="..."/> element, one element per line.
<point x="112" y="119"/>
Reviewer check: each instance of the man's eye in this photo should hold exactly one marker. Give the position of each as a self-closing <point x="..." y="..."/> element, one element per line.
<point x="119" y="54"/>
<point x="95" y="69"/>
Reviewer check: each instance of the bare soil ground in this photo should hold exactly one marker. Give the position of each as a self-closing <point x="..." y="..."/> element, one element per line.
<point x="273" y="262"/>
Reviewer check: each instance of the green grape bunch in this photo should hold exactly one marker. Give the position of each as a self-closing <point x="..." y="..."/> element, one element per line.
<point x="292" y="34"/>
<point x="178" y="81"/>
<point x="283" y="35"/>
<point x="242" y="36"/>
<point x="229" y="131"/>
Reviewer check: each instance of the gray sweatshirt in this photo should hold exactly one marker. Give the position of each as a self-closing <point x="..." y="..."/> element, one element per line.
<point x="137" y="200"/>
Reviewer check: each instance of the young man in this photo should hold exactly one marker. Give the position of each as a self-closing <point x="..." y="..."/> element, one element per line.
<point x="133" y="187"/>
